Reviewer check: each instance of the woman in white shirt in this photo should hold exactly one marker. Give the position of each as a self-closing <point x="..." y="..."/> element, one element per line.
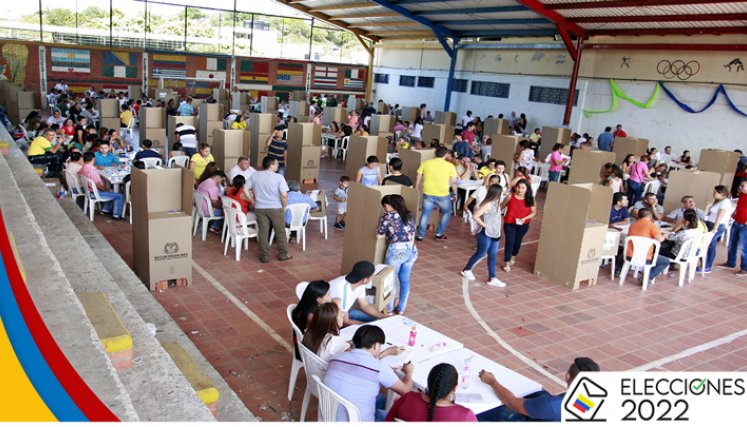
<point x="417" y="129"/>
<point x="323" y="335"/>
<point x="717" y="218"/>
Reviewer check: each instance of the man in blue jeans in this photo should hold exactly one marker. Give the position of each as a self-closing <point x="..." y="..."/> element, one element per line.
<point x="437" y="175"/>
<point x="350" y="289"/>
<point x="738" y="235"/>
<point x="89" y="171"/>
<point x="539" y="406"/>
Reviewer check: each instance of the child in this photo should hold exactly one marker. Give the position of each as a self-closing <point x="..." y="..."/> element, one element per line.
<point x="370" y="174"/>
<point x="176" y="150"/>
<point x="341" y="197"/>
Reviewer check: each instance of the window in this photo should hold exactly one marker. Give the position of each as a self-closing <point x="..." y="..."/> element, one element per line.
<point x="381" y="78"/>
<point x="426" y="81"/>
<point x="408" y="81"/>
<point x="459" y="85"/>
<point x="491" y="89"/>
<point x="550" y="95"/>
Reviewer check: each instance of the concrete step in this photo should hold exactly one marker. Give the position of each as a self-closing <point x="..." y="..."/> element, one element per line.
<point x="200" y="382"/>
<point x="115" y="338"/>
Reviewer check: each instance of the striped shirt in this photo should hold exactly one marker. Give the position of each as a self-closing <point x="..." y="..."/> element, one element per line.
<point x="277" y="150"/>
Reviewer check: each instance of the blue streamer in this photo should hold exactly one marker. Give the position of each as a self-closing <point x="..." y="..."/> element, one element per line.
<point x="721" y="89"/>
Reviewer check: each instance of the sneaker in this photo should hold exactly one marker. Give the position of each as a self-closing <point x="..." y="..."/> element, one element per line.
<point x="497" y="283"/>
<point x="286" y="258"/>
<point x="467" y="274"/>
<point x="701" y="270"/>
<point x="342" y="223"/>
<point x="741" y="273"/>
<point x="418" y="238"/>
<point x="726" y="266"/>
<point x="339" y="226"/>
<point x="507" y="267"/>
<point x="441" y="237"/>
<point x="513" y="261"/>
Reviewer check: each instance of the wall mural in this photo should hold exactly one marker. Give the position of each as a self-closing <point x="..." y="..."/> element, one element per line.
<point x="625" y="62"/>
<point x="677" y="68"/>
<point x="15" y="56"/>
<point x="736" y="62"/>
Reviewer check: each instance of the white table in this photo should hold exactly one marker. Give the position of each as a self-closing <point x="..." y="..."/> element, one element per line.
<point x="468" y="185"/>
<point x="326" y="138"/>
<point x="114" y="176"/>
<point x="397" y="331"/>
<point x="478" y="396"/>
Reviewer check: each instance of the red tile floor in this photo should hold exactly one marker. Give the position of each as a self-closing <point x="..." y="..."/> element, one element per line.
<point x="532" y="326"/>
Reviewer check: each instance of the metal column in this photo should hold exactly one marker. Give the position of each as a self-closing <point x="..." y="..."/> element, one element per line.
<point x="572" y="84"/>
<point x="450" y="79"/>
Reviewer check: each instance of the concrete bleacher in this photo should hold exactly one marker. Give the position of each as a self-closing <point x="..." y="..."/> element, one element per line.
<point x="72" y="273"/>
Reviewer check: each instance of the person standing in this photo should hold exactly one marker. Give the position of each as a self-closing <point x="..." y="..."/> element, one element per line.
<point x="606" y="140"/>
<point x="187" y="136"/>
<point x="271" y="198"/>
<point x="520" y="209"/>
<point x="370" y="174"/>
<point x="397" y="225"/>
<point x="437" y="175"/>
<point x="639" y="172"/>
<point x="277" y="148"/>
<point x="556" y="163"/>
<point x="738" y="237"/>
<point x="619" y="132"/>
<point x="488" y="217"/>
<point x="717" y="219"/>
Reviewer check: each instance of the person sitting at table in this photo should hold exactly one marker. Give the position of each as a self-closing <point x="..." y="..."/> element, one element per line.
<point x="80" y="131"/>
<point x="199" y="160"/>
<point x="147" y="151"/>
<point x="671" y="246"/>
<point x="315" y="294"/>
<point x="104" y="157"/>
<point x="176" y="150"/>
<point x="239" y="123"/>
<point x="323" y="335"/>
<point x="466" y="171"/>
<point x="125" y="116"/>
<point x="619" y="215"/>
<point x="242" y="168"/>
<point x="677" y="216"/>
<point x="117" y="199"/>
<point x="489" y="168"/>
<point x="650" y="201"/>
<point x="334" y="129"/>
<point x="359" y="374"/>
<point x="212" y="187"/>
<point x="296" y="197"/>
<point x="685" y="160"/>
<point x="645" y="227"/>
<point x="462" y="147"/>
<point x="395" y="167"/>
<point x="436" y="403"/>
<point x="538" y="406"/>
<point x="41" y="151"/>
<point x="116" y="141"/>
<point x="351" y="289"/>
<point x="240" y="193"/>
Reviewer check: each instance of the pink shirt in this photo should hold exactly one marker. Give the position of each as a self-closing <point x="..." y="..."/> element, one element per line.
<point x="468" y="136"/>
<point x="91" y="173"/>
<point x="638" y="172"/>
<point x="411" y="407"/>
<point x="212" y="189"/>
<point x="556" y="161"/>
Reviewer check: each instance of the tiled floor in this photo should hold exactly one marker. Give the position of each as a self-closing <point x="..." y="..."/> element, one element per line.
<point x="620" y="327"/>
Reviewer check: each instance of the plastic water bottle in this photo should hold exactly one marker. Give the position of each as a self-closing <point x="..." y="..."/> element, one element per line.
<point x="465" y="375"/>
<point x="413" y="337"/>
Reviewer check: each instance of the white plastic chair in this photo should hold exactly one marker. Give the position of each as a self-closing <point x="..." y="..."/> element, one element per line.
<point x="128" y="200"/>
<point x="130" y="128"/>
<point x="343" y="148"/>
<point x="536" y="182"/>
<point x="296" y="365"/>
<point x="639" y="260"/>
<point x="320" y="215"/>
<point x="686" y="258"/>
<point x="702" y="254"/>
<point x="298" y="212"/>
<point x="178" y="161"/>
<point x="609" y="244"/>
<point x="151" y="162"/>
<point x="300" y="289"/>
<point x="202" y="201"/>
<point x="652" y="186"/>
<point x="314" y="367"/>
<point x="227" y="202"/>
<point x="92" y="196"/>
<point x="76" y="191"/>
<point x="329" y="401"/>
<point x="727" y="232"/>
<point x="238" y="231"/>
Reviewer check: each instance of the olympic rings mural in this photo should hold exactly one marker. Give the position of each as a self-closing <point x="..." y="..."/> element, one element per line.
<point x="677" y="68"/>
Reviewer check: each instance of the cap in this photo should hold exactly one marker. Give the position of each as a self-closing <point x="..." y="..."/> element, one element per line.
<point x="361" y="270"/>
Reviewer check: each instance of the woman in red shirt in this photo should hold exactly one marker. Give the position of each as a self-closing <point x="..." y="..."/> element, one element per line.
<point x="520" y="209"/>
<point x="69" y="127"/>
<point x="239" y="193"/>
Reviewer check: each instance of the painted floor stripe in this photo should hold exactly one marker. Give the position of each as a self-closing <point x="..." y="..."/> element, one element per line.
<point x="691" y="351"/>
<point x="531" y="363"/>
<point x="241" y="306"/>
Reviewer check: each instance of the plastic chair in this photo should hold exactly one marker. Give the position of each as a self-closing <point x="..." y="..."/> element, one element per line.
<point x="202" y="201"/>
<point x="343" y="148"/>
<point x="610" y="240"/>
<point x="238" y="231"/>
<point x="92" y="196"/>
<point x="727" y="233"/>
<point x="128" y="200"/>
<point x="321" y="215"/>
<point x="536" y="182"/>
<point x="300" y="289"/>
<point x="652" y="186"/>
<point x="686" y="258"/>
<point x="151" y="162"/>
<point x="314" y="367"/>
<point x="130" y="128"/>
<point x="296" y="364"/>
<point x="227" y="202"/>
<point x="702" y="254"/>
<point x="298" y="212"/>
<point x="76" y="191"/>
<point x="178" y="161"/>
<point x="639" y="260"/>
<point x="329" y="401"/>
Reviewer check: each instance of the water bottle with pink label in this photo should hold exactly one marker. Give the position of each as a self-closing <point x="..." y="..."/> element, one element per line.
<point x="413" y="337"/>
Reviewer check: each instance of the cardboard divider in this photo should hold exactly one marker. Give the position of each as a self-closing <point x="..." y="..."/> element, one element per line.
<point x="410" y="113"/>
<point x="304" y="140"/>
<point x="382" y="123"/>
<point x="260" y="128"/>
<point x="364" y="210"/>
<point x="495" y="126"/>
<point x="685" y="182"/>
<point x="238" y="99"/>
<point x="333" y="114"/>
<point x="586" y="166"/>
<point x="109" y="107"/>
<point x="720" y="161"/>
<point x="206" y="130"/>
<point x="111" y="123"/>
<point x="445" y="118"/>
<point x="444" y="134"/>
<point x="629" y="145"/>
<point x="504" y="148"/>
<point x="134" y="91"/>
<point x="412" y="159"/>
<point x="298" y="108"/>
<point x="572" y="238"/>
<point x="228" y="146"/>
<point x="162" y="225"/>
<point x="550" y="137"/>
<point x="268" y="104"/>
<point x="382" y="108"/>
<point x="359" y="148"/>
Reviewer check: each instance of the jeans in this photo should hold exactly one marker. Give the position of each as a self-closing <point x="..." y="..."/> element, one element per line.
<point x="660" y="265"/>
<point x="503" y="413"/>
<point x="711" y="256"/>
<point x="738" y="242"/>
<point x="360" y="316"/>
<point x="635" y="189"/>
<point x="275" y="219"/>
<point x="189" y="151"/>
<point x="485" y="245"/>
<point x="401" y="256"/>
<point x="54" y="161"/>
<point x="218" y="224"/>
<point x="118" y="201"/>
<point x="553" y="176"/>
<point x="444" y="205"/>
<point x="514" y="234"/>
<point x="281" y="170"/>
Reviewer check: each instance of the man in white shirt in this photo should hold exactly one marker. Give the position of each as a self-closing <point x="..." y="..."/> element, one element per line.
<point x="187" y="135"/>
<point x="677" y="216"/>
<point x="56" y="119"/>
<point x="61" y="86"/>
<point x="667" y="157"/>
<point x="466" y="119"/>
<point x="351" y="288"/>
<point x="242" y="168"/>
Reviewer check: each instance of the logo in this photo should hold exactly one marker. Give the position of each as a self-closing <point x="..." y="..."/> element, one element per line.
<point x="170" y="248"/>
<point x="584" y="402"/>
<point x="592" y="253"/>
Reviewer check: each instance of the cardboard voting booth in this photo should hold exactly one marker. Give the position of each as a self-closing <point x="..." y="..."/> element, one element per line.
<point x="152" y="127"/>
<point x="504" y="148"/>
<point x="446" y="118"/>
<point x="364" y="210"/>
<point x="572" y="238"/>
<point x="161" y="225"/>
<point x="410" y="113"/>
<point x="333" y="114"/>
<point x="381" y="123"/>
<point x="720" y="161"/>
<point x="269" y="104"/>
<point x="298" y="108"/>
<point x="550" y="137"/>
<point x="629" y="145"/>
<point x="134" y="91"/>
<point x="685" y="182"/>
<point x="586" y="166"/>
<point x="382" y="108"/>
<point x="383" y="285"/>
<point x="210" y="118"/>
<point x="109" y="107"/>
<point x="172" y="121"/>
<point x="359" y="148"/>
<point x="239" y="100"/>
<point x="444" y="134"/>
<point x="260" y="128"/>
<point x="411" y="160"/>
<point x="495" y="126"/>
<point x="228" y="146"/>
<point x="304" y="140"/>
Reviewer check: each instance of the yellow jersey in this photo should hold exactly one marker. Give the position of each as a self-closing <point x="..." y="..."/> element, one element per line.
<point x="200" y="164"/>
<point x="437" y="174"/>
<point x="39" y="146"/>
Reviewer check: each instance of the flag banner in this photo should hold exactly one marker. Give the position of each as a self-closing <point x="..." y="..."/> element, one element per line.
<point x="215" y="75"/>
<point x="290" y="74"/>
<point x="121" y="65"/>
<point x="71" y="60"/>
<point x="354" y="78"/>
<point x="325" y="76"/>
<point x="254" y="71"/>
<point x="215" y="64"/>
<point x="169" y="65"/>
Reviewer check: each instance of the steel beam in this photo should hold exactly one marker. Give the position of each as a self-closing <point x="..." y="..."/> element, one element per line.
<point x="471" y="10"/>
<point x="450" y="81"/>
<point x="517" y="21"/>
<point x="440" y="31"/>
<point x="689" y="31"/>
<point x="631" y="3"/>
<point x="668" y="46"/>
<point x="553" y="16"/>
<point x="662" y="18"/>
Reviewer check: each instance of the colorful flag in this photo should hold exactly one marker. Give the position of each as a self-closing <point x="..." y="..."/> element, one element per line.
<point x="583" y="404"/>
<point x="120" y="64"/>
<point x="325" y="76"/>
<point x="215" y="64"/>
<point x="254" y="71"/>
<point x="169" y="65"/>
<point x="290" y="74"/>
<point x="71" y="60"/>
<point x="354" y="78"/>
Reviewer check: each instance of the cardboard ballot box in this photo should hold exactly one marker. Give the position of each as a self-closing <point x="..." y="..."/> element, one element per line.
<point x="162" y="223"/>
<point x="720" y="161"/>
<point x="304" y="140"/>
<point x="572" y="238"/>
<point x="383" y="285"/>
<point x="550" y="137"/>
<point x="587" y="165"/>
<point x="381" y="123"/>
<point x="445" y="118"/>
<point x="504" y="148"/>
<point x="629" y="145"/>
<point x="364" y="210"/>
<point x="495" y="126"/>
<point x="686" y="182"/>
<point x="359" y="148"/>
<point x="228" y="146"/>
